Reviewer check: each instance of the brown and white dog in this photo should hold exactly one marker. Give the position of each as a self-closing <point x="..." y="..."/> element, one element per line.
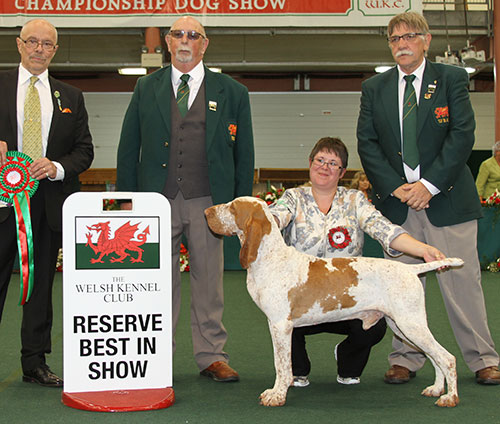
<point x="294" y="289"/>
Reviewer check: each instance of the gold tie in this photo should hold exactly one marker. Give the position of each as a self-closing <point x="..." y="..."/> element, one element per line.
<point x="32" y="128"/>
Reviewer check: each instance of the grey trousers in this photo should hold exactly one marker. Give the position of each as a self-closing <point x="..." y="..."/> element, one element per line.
<point x="206" y="264"/>
<point x="461" y="290"/>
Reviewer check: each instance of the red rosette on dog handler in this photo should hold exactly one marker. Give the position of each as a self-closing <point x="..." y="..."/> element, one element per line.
<point x="121" y="400"/>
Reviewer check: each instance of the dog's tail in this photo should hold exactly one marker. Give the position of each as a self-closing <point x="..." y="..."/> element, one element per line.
<point x="430" y="266"/>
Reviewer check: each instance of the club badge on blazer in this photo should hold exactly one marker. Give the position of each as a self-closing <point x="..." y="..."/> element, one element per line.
<point x="442" y="114"/>
<point x="232" y="131"/>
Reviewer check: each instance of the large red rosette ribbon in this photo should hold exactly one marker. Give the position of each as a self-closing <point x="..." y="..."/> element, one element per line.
<point x="17" y="186"/>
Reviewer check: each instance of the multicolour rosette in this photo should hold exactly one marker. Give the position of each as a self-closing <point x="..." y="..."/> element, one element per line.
<point x="16" y="187"/>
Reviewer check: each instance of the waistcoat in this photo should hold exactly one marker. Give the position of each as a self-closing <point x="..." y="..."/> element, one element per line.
<point x="187" y="164"/>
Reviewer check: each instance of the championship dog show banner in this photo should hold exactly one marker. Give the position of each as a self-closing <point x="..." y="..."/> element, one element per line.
<point x="229" y="13"/>
<point x="117" y="303"/>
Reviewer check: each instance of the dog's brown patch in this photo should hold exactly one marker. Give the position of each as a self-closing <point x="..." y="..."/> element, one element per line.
<point x="252" y="220"/>
<point x="328" y="288"/>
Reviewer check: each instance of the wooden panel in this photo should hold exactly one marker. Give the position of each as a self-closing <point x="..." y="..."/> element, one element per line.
<point x="98" y="179"/>
<point x="291" y="177"/>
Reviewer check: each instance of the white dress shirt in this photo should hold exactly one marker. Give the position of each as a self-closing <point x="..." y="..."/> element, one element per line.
<point x="46" y="107"/>
<point x="196" y="76"/>
<point x="412" y="175"/>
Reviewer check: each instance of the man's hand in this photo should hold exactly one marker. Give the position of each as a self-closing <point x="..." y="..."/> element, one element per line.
<point x="402" y="192"/>
<point x="42" y="168"/>
<point x="418" y="196"/>
<point x="3" y="153"/>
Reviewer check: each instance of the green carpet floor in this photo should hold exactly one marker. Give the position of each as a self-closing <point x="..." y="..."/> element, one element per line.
<point x="200" y="400"/>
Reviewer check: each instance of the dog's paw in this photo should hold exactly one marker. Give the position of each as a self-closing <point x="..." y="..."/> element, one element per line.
<point x="448" y="401"/>
<point x="272" y="397"/>
<point x="433" y="391"/>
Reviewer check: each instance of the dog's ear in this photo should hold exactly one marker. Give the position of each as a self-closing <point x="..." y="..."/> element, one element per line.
<point x="252" y="220"/>
<point x="250" y="247"/>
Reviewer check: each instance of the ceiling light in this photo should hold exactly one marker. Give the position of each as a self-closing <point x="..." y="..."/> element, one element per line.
<point x="382" y="68"/>
<point x="214" y="69"/>
<point x="132" y="71"/>
<point x="470" y="70"/>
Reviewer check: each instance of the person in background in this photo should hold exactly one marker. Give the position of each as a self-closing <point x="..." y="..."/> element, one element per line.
<point x="415" y="135"/>
<point x="360" y="182"/>
<point x="327" y="220"/>
<point x="61" y="149"/>
<point x="187" y="134"/>
<point x="488" y="177"/>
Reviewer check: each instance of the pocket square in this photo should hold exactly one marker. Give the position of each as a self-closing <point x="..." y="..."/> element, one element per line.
<point x="66" y="110"/>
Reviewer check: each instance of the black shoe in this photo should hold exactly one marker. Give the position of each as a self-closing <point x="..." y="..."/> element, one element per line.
<point x="44" y="376"/>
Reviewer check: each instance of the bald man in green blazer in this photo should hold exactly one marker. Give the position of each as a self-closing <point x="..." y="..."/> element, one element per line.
<point x="187" y="133"/>
<point x="432" y="195"/>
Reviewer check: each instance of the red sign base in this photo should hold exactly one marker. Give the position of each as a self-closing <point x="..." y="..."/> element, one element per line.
<point x="121" y="400"/>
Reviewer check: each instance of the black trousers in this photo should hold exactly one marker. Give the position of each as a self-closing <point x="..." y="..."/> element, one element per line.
<point x="37" y="312"/>
<point x="352" y="353"/>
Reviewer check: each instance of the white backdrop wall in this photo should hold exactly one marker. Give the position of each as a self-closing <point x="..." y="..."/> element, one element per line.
<point x="286" y="125"/>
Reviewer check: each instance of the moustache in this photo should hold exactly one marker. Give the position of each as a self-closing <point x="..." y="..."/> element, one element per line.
<point x="404" y="52"/>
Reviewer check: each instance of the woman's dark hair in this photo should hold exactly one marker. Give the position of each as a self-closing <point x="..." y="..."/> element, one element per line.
<point x="331" y="144"/>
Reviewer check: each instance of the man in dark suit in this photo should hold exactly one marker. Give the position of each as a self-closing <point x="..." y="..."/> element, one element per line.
<point x="187" y="134"/>
<point x="422" y="182"/>
<point x="65" y="151"/>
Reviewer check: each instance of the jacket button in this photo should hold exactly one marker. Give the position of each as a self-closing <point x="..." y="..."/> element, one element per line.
<point x="163" y="165"/>
<point x="166" y="144"/>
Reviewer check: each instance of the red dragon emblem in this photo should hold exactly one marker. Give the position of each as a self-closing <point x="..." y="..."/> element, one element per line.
<point x="119" y="244"/>
<point x="441" y="112"/>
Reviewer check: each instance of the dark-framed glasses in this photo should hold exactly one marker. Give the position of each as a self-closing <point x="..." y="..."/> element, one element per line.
<point x="33" y="43"/>
<point x="332" y="165"/>
<point x="191" y="35"/>
<point x="410" y="36"/>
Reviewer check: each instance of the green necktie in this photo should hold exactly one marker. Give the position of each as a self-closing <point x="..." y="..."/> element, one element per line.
<point x="183" y="95"/>
<point x="32" y="126"/>
<point x="410" y="150"/>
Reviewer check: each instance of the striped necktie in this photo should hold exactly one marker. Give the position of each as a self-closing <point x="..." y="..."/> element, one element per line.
<point x="183" y="95"/>
<point x="410" y="150"/>
<point x="32" y="126"/>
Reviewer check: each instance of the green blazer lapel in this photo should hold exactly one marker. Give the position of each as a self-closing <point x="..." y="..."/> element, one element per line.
<point x="389" y="94"/>
<point x="214" y="98"/>
<point x="428" y="93"/>
<point x="163" y="91"/>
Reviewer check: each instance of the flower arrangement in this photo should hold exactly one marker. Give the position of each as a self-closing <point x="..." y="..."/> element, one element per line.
<point x="271" y="195"/>
<point x="493" y="200"/>
<point x="59" y="262"/>
<point x="184" y="259"/>
<point x="110" y="205"/>
<point x="494" y="266"/>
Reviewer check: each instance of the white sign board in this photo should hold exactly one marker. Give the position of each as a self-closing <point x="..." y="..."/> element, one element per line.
<point x="117" y="293"/>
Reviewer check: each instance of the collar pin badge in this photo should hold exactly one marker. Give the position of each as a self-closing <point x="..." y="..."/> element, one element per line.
<point x="212" y="105"/>
<point x="431" y="88"/>
<point x="57" y="95"/>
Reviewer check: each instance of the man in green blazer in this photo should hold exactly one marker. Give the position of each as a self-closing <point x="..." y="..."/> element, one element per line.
<point x="426" y="186"/>
<point x="187" y="133"/>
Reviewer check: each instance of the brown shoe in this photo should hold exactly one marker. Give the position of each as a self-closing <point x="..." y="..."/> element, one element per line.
<point x="398" y="375"/>
<point x="220" y="371"/>
<point x="489" y="375"/>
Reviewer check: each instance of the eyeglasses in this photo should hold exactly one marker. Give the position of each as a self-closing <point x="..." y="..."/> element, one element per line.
<point x="191" y="35"/>
<point x="319" y="162"/>
<point x="411" y="36"/>
<point x="33" y="43"/>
